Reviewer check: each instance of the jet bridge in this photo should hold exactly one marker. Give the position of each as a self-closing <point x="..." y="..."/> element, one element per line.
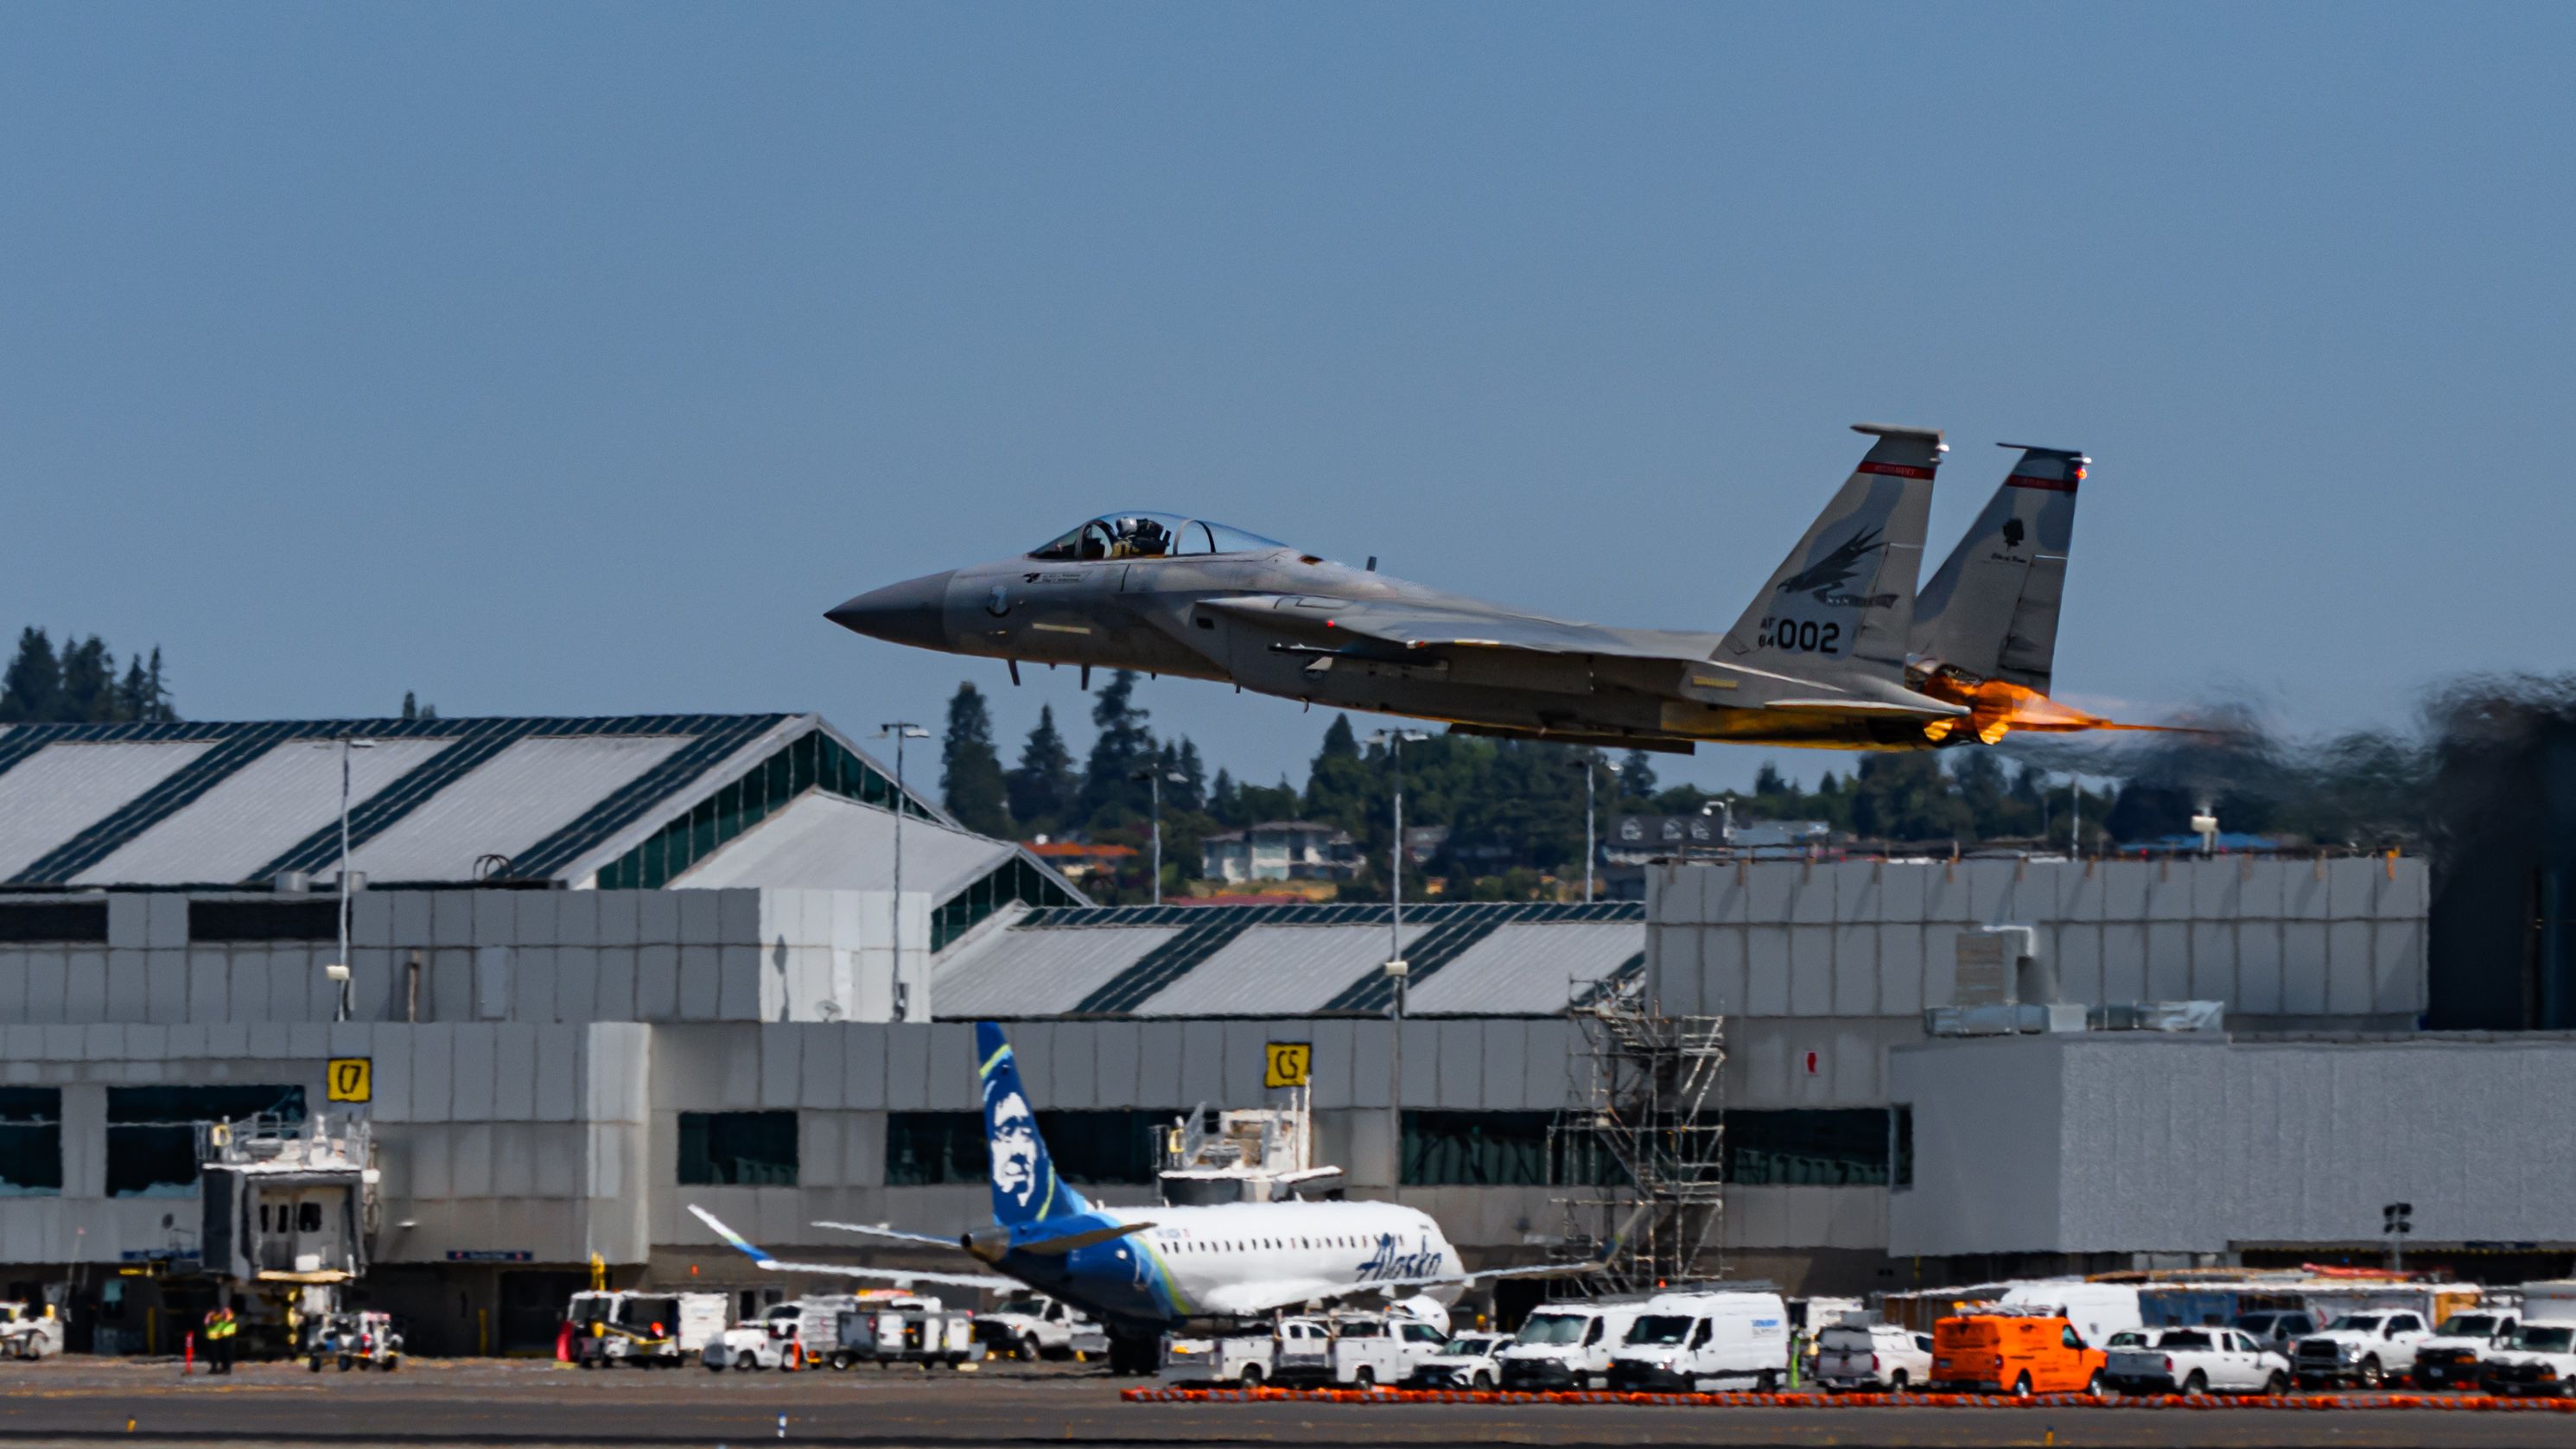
<point x="1259" y="1154"/>
<point x="288" y="1207"/>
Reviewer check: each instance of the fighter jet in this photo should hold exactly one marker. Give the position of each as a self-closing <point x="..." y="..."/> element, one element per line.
<point x="1827" y="653"/>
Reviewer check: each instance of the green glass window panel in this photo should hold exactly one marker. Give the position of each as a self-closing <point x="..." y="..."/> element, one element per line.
<point x="1476" y="1149"/>
<point x="152" y="1131"/>
<point x="1828" y="1147"/>
<point x="1112" y="1147"/>
<point x="1902" y="1126"/>
<point x="927" y="1149"/>
<point x="31" y="1141"/>
<point x="741" y="1149"/>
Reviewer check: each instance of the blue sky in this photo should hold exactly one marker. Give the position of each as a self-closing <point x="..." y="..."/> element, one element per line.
<point x="574" y="359"/>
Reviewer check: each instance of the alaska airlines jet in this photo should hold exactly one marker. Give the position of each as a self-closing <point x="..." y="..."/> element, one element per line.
<point x="1140" y="1271"/>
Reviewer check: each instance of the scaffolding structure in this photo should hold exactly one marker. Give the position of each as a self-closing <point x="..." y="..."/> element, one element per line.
<point x="1637" y="1155"/>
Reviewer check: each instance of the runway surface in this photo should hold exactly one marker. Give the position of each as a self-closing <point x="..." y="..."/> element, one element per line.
<point x="432" y="1403"/>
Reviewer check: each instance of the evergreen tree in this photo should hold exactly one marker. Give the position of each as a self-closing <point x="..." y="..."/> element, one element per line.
<point x="155" y="706"/>
<point x="1225" y="802"/>
<point x="1636" y="781"/>
<point x="1908" y="797"/>
<point x="1341" y="788"/>
<point x="1041" y="788"/>
<point x="89" y="683"/>
<point x="970" y="770"/>
<point x="31" y="691"/>
<point x="134" y="692"/>
<point x="413" y="709"/>
<point x="1110" y="792"/>
<point x="1192" y="794"/>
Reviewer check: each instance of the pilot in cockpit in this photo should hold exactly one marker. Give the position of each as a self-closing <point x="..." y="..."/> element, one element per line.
<point x="1140" y="537"/>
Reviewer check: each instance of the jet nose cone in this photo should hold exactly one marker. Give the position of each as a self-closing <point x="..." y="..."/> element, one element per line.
<point x="913" y="612"/>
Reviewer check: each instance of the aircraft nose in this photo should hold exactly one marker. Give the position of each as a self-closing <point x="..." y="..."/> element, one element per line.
<point x="912" y="612"/>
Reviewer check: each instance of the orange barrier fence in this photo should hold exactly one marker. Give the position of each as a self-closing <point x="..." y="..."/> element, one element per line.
<point x="2456" y="1402"/>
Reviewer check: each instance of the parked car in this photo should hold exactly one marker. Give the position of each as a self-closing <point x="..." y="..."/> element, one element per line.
<point x="2540" y="1359"/>
<point x="1853" y="1357"/>
<point x="1688" y="1341"/>
<point x="1464" y="1362"/>
<point x="2364" y="1349"/>
<point x="30" y="1330"/>
<point x="2017" y="1353"/>
<point x="2455" y="1356"/>
<point x="2198" y="1361"/>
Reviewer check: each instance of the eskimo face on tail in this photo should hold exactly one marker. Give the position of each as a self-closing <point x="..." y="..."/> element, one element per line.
<point x="1014" y="1148"/>
<point x="1025" y="1187"/>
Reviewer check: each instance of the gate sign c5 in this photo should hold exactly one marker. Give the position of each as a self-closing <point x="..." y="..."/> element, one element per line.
<point x="1289" y="1062"/>
<point x="350" y="1079"/>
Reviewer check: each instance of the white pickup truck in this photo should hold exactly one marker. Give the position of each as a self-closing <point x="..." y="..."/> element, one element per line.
<point x="1347" y="1350"/>
<point x="2365" y="1349"/>
<point x="2457" y="1353"/>
<point x="1037" y="1327"/>
<point x="2197" y="1361"/>
<point x="2540" y="1359"/>
<point x="1857" y="1356"/>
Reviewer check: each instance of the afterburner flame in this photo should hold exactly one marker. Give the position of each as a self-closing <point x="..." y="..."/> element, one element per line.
<point x="1996" y="709"/>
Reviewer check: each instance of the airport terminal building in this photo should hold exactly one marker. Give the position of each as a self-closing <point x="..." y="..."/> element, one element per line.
<point x="606" y="968"/>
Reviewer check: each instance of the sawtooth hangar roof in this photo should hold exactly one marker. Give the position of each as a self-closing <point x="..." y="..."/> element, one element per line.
<point x="632" y="801"/>
<point x="1465" y="959"/>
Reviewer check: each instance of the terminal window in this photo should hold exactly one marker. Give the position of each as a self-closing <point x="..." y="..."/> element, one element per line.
<point x="927" y="1149"/>
<point x="1476" y="1149"/>
<point x="31" y="1141"/>
<point x="152" y="1147"/>
<point x="1831" y="1147"/>
<point x="739" y="1149"/>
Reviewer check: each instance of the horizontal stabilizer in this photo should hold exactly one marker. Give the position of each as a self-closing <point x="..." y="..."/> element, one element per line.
<point x="897" y="1276"/>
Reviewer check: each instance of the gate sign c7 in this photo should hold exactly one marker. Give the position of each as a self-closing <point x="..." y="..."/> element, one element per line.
<point x="1289" y="1063"/>
<point x="350" y="1079"/>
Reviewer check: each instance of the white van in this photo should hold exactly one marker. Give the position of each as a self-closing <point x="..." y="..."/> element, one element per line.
<point x="1568" y="1345"/>
<point x="1690" y="1341"/>
<point x="2097" y="1310"/>
<point x="1856" y="1355"/>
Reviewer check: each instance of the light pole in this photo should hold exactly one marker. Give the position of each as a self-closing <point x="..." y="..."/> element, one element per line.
<point x="338" y="970"/>
<point x="1587" y="829"/>
<point x="1397" y="969"/>
<point x="1155" y="778"/>
<point x="899" y="731"/>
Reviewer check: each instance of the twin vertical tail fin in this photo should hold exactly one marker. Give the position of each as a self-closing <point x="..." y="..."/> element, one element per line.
<point x="1025" y="1187"/>
<point x="1843" y="601"/>
<point x="1990" y="611"/>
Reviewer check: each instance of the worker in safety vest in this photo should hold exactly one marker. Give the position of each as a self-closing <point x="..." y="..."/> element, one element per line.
<point x="220" y="1328"/>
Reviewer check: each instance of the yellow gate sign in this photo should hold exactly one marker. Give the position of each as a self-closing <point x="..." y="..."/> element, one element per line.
<point x="1289" y="1063"/>
<point x="351" y="1079"/>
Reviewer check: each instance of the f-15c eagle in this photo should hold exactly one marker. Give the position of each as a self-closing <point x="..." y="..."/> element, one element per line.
<point x="1835" y="651"/>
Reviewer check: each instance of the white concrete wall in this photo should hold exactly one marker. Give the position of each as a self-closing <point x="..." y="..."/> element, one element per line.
<point x="2336" y="938"/>
<point x="2136" y="1142"/>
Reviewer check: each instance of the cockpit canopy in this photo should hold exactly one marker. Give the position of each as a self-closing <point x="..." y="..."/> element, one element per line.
<point x="1151" y="535"/>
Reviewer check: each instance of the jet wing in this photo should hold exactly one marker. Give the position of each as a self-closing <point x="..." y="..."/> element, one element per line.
<point x="848" y="1270"/>
<point x="1253" y="1299"/>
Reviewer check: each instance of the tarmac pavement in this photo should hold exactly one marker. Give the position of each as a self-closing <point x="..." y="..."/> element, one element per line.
<point x="75" y="1400"/>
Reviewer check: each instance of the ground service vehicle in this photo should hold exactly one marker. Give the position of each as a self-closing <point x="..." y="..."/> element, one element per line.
<point x="1464" y="1362"/>
<point x="2017" y="1353"/>
<point x="30" y="1330"/>
<point x="1033" y="1326"/>
<point x="1853" y="1356"/>
<point x="754" y="1343"/>
<point x="648" y="1330"/>
<point x="1240" y="1359"/>
<point x="1356" y="1350"/>
<point x="2367" y="1349"/>
<point x="1568" y="1345"/>
<point x="2540" y="1359"/>
<point x="2455" y="1356"/>
<point x="1688" y="1341"/>
<point x="355" y="1340"/>
<point x="2198" y="1361"/>
<point x="911" y="1330"/>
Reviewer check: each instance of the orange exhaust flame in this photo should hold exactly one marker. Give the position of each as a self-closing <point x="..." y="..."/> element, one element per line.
<point x="1996" y="709"/>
